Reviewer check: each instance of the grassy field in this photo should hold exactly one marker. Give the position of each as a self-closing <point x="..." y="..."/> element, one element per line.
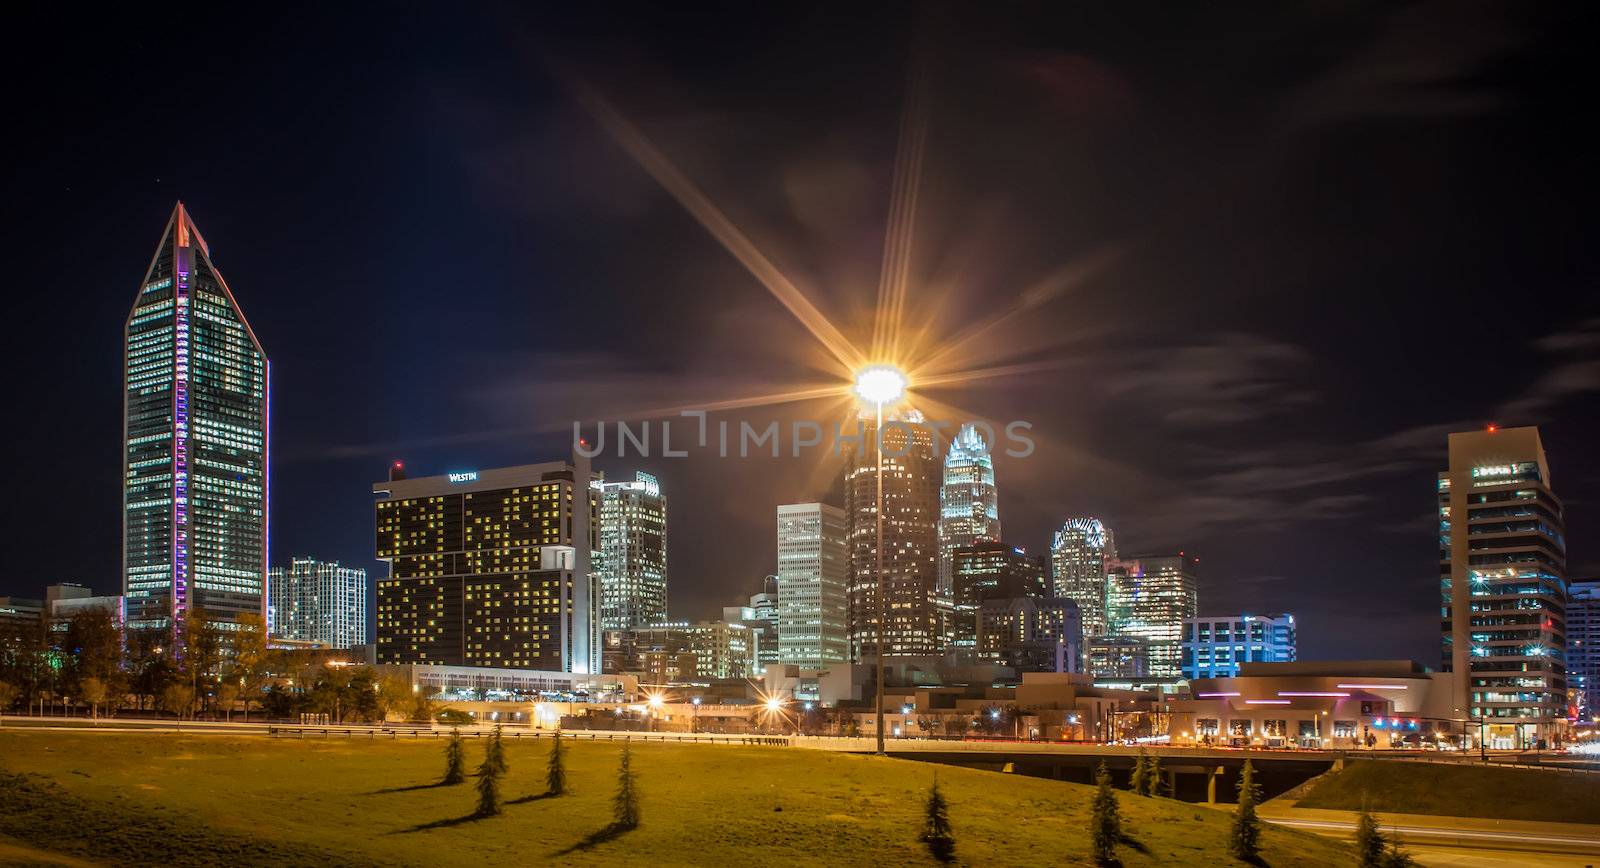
<point x="1461" y="791"/>
<point x="216" y="799"/>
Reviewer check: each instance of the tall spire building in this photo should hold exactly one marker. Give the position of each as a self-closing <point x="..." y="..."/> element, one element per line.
<point x="969" y="508"/>
<point x="195" y="443"/>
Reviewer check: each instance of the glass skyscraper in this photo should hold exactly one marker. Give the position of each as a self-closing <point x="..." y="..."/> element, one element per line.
<point x="195" y="443"/>
<point x="812" y="608"/>
<point x="633" y="553"/>
<point x="917" y="614"/>
<point x="969" y="507"/>
<point x="1080" y="557"/>
<point x="1150" y="598"/>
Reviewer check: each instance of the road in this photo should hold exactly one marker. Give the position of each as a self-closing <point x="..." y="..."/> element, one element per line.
<point x="1459" y="841"/>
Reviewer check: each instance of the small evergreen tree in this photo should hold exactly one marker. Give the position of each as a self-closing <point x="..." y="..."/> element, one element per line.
<point x="497" y="751"/>
<point x="488" y="784"/>
<point x="1154" y="786"/>
<point x="1105" y="823"/>
<point x="1369" y="841"/>
<point x="936" y="831"/>
<point x="555" y="777"/>
<point x="1394" y="857"/>
<point x="1245" y="843"/>
<point x="1139" y="781"/>
<point x="625" y="807"/>
<point x="455" y="759"/>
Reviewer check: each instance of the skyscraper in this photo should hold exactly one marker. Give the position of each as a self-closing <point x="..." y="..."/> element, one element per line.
<point x="195" y="443"/>
<point x="1503" y="585"/>
<point x="1149" y="598"/>
<point x="489" y="568"/>
<point x="991" y="571"/>
<point x="633" y="553"/>
<point x="318" y="601"/>
<point x="916" y="616"/>
<point x="1583" y="644"/>
<point x="969" y="508"/>
<point x="813" y="604"/>
<point x="1079" y="558"/>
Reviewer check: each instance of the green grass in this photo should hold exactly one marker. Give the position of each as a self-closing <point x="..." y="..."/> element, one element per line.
<point x="1461" y="791"/>
<point x="213" y="799"/>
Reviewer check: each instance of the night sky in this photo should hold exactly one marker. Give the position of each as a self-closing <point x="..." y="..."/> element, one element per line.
<point x="1301" y="243"/>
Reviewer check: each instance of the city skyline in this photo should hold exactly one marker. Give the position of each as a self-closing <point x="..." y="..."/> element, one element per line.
<point x="1342" y="468"/>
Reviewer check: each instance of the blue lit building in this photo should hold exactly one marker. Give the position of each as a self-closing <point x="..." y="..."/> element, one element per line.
<point x="1215" y="646"/>
<point x="1583" y="646"/>
<point x="195" y="444"/>
<point x="969" y="506"/>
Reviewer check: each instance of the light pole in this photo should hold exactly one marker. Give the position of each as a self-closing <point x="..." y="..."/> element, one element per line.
<point x="880" y="384"/>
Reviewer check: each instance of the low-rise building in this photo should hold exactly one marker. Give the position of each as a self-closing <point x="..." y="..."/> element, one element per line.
<point x="1118" y="657"/>
<point x="1215" y="646"/>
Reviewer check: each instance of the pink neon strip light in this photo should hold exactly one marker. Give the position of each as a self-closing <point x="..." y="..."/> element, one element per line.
<point x="1310" y="693"/>
<point x="1374" y="686"/>
<point x="1266" y="702"/>
<point x="1215" y="695"/>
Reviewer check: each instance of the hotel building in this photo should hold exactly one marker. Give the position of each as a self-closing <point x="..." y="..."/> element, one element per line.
<point x="489" y="568"/>
<point x="1215" y="646"/>
<point x="195" y="443"/>
<point x="1503" y="585"/>
<point x="318" y="601"/>
<point x="812" y="600"/>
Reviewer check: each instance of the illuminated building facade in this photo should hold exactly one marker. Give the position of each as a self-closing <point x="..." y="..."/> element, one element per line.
<point x="991" y="571"/>
<point x="1030" y="634"/>
<point x="1080" y="556"/>
<point x="195" y="444"/>
<point x="489" y="568"/>
<point x="812" y="600"/>
<point x="1150" y="598"/>
<point x="318" y="601"/>
<point x="1503" y="585"/>
<point x="1216" y="646"/>
<point x="917" y="614"/>
<point x="633" y="553"/>
<point x="1583" y="645"/>
<point x="674" y="653"/>
<point x="969" y="507"/>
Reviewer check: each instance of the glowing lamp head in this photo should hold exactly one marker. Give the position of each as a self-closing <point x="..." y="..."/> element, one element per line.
<point x="774" y="704"/>
<point x="656" y="700"/>
<point x="880" y="384"/>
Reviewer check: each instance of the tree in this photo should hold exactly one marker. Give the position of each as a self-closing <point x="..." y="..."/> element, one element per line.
<point x="1394" y="857"/>
<point x="625" y="806"/>
<point x="1105" y="822"/>
<point x="178" y="698"/>
<point x="227" y="697"/>
<point x="455" y="759"/>
<point x="149" y="664"/>
<point x="497" y="751"/>
<point x="489" y="784"/>
<point x="252" y="659"/>
<point x="92" y="691"/>
<point x="1369" y="841"/>
<point x="1245" y="843"/>
<point x="8" y="694"/>
<point x="1139" y="781"/>
<point x="394" y="695"/>
<point x="555" y="776"/>
<point x="1154" y="786"/>
<point x="936" y="831"/>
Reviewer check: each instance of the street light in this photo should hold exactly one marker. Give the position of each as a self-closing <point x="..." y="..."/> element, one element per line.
<point x="879" y="385"/>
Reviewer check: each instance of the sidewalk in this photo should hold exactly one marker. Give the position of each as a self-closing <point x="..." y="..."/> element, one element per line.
<point x="1430" y="830"/>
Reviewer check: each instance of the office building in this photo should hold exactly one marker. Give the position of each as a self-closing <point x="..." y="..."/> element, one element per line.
<point x="64" y="601"/>
<point x="1030" y="634"/>
<point x="489" y="568"/>
<point x="633" y="553"/>
<point x="990" y="571"/>
<point x="1503" y="585"/>
<point x="1117" y="657"/>
<point x="20" y="617"/>
<point x="1150" y="597"/>
<point x="813" y="602"/>
<point x="1583" y="645"/>
<point x="318" y="601"/>
<point x="1080" y="556"/>
<point x="761" y="618"/>
<point x="969" y="507"/>
<point x="1215" y="646"/>
<point x="195" y="444"/>
<point x="917" y="613"/>
<point x="678" y="652"/>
